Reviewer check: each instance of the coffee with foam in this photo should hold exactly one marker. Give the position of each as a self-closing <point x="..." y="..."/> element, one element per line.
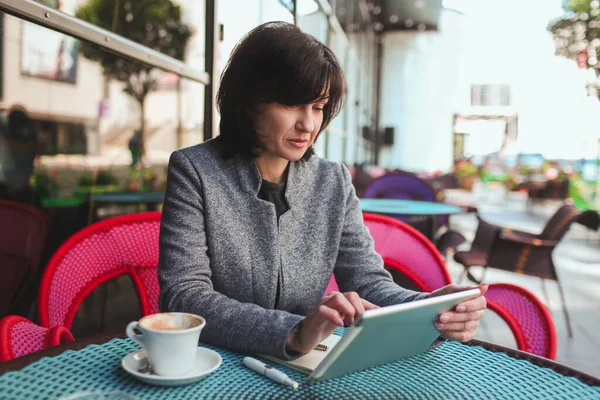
<point x="170" y="340"/>
<point x="170" y="321"/>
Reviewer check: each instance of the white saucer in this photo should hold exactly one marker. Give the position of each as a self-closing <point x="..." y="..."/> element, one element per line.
<point x="206" y="362"/>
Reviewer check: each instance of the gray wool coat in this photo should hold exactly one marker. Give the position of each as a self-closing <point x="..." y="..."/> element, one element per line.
<point x="221" y="248"/>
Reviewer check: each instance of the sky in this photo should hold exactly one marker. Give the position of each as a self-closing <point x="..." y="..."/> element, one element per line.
<point x="507" y="41"/>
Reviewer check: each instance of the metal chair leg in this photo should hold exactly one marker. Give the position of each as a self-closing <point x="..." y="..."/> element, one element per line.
<point x="103" y="306"/>
<point x="483" y="273"/>
<point x="565" y="311"/>
<point x="545" y="292"/>
<point x="472" y="277"/>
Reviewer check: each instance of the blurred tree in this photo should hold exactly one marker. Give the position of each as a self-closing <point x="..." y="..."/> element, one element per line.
<point x="155" y="24"/>
<point x="577" y="36"/>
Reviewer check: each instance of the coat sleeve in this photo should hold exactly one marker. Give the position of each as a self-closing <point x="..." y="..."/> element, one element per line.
<point x="184" y="275"/>
<point x="358" y="267"/>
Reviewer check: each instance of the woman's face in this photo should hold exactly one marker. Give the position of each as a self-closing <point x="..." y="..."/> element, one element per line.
<point x="288" y="131"/>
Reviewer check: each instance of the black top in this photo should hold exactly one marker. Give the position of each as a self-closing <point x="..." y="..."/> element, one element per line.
<point x="275" y="193"/>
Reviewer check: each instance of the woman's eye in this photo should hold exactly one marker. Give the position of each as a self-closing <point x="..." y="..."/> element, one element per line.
<point x="318" y="108"/>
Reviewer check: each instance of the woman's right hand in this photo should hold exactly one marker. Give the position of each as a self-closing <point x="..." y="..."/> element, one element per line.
<point x="335" y="309"/>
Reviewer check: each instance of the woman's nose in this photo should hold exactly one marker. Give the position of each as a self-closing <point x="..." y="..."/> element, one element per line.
<point x="305" y="120"/>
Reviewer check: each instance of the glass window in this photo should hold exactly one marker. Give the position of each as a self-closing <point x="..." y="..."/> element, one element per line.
<point x="248" y="14"/>
<point x="348" y="15"/>
<point x="352" y="113"/>
<point x="312" y="20"/>
<point x="74" y="121"/>
<point x="336" y="131"/>
<point x="504" y="95"/>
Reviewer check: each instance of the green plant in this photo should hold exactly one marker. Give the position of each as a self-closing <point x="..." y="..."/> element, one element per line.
<point x="98" y="178"/>
<point x="106" y="177"/>
<point x="44" y="183"/>
<point x="576" y="35"/>
<point x="142" y="179"/>
<point x="545" y="167"/>
<point x="465" y="168"/>
<point x="525" y="170"/>
<point x="87" y="179"/>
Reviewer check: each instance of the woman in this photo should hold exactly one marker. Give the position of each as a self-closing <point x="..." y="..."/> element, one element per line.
<point x="254" y="224"/>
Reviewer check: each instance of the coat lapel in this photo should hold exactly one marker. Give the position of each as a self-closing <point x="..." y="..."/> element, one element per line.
<point x="262" y="222"/>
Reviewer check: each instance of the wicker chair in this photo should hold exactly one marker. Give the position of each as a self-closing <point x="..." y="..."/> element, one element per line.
<point x="125" y="245"/>
<point x="523" y="252"/>
<point x="409" y="186"/>
<point x="555" y="189"/>
<point x="406" y="251"/>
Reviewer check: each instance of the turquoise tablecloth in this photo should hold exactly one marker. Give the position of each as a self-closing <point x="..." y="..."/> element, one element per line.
<point x="449" y="371"/>
<point x="407" y="207"/>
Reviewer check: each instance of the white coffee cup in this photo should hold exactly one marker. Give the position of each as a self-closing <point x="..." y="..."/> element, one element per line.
<point x="170" y="339"/>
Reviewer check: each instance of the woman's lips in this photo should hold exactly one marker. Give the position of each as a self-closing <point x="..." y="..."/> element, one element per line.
<point x="299" y="143"/>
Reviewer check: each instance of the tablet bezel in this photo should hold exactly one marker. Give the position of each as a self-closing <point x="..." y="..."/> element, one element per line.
<point x="433" y="306"/>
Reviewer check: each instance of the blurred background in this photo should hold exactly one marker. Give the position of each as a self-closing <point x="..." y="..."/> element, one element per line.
<point x="493" y="103"/>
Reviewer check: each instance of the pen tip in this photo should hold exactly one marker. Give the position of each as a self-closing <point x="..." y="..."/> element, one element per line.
<point x="295" y="385"/>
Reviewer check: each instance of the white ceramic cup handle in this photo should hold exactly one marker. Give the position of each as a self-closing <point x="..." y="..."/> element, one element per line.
<point x="131" y="333"/>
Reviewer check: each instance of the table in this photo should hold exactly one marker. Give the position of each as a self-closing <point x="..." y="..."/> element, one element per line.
<point x="429" y="209"/>
<point x="477" y="370"/>
<point x="149" y="199"/>
<point x="130" y="198"/>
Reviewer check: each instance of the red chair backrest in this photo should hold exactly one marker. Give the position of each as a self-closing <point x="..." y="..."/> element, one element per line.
<point x="102" y="251"/>
<point x="527" y="317"/>
<point x="22" y="241"/>
<point x="407" y="251"/>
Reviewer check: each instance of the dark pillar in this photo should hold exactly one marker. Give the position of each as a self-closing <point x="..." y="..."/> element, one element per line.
<point x="378" y="67"/>
<point x="209" y="56"/>
<point x="295" y="3"/>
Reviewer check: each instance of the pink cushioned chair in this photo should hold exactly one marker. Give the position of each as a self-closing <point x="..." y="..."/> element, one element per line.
<point x="408" y="252"/>
<point x="125" y="245"/>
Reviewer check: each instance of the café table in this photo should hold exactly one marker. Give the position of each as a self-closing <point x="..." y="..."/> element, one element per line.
<point x="429" y="209"/>
<point x="150" y="200"/>
<point x="450" y="370"/>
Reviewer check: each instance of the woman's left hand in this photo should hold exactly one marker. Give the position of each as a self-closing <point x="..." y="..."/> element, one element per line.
<point x="461" y="322"/>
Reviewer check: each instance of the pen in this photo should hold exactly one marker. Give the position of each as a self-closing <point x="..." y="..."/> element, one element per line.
<point x="269" y="372"/>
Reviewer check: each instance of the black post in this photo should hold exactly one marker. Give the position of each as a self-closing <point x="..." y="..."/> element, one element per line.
<point x="378" y="67"/>
<point x="295" y="3"/>
<point x="209" y="56"/>
<point x="1" y="54"/>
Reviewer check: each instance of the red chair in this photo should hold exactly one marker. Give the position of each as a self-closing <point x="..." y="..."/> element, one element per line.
<point x="125" y="245"/>
<point x="22" y="243"/>
<point x="408" y="252"/>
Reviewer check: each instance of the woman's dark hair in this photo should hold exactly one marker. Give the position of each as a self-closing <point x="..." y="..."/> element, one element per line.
<point x="275" y="63"/>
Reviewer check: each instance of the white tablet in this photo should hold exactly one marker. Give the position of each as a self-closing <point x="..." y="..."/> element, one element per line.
<point x="387" y="334"/>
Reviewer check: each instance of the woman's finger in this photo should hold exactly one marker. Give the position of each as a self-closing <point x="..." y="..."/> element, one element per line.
<point x="458" y="326"/>
<point x="478" y="303"/>
<point x="328" y="296"/>
<point x="451" y="316"/>
<point x="462" y="336"/>
<point x="330" y="314"/>
<point x="356" y="302"/>
<point x="368" y="305"/>
<point x="343" y="306"/>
